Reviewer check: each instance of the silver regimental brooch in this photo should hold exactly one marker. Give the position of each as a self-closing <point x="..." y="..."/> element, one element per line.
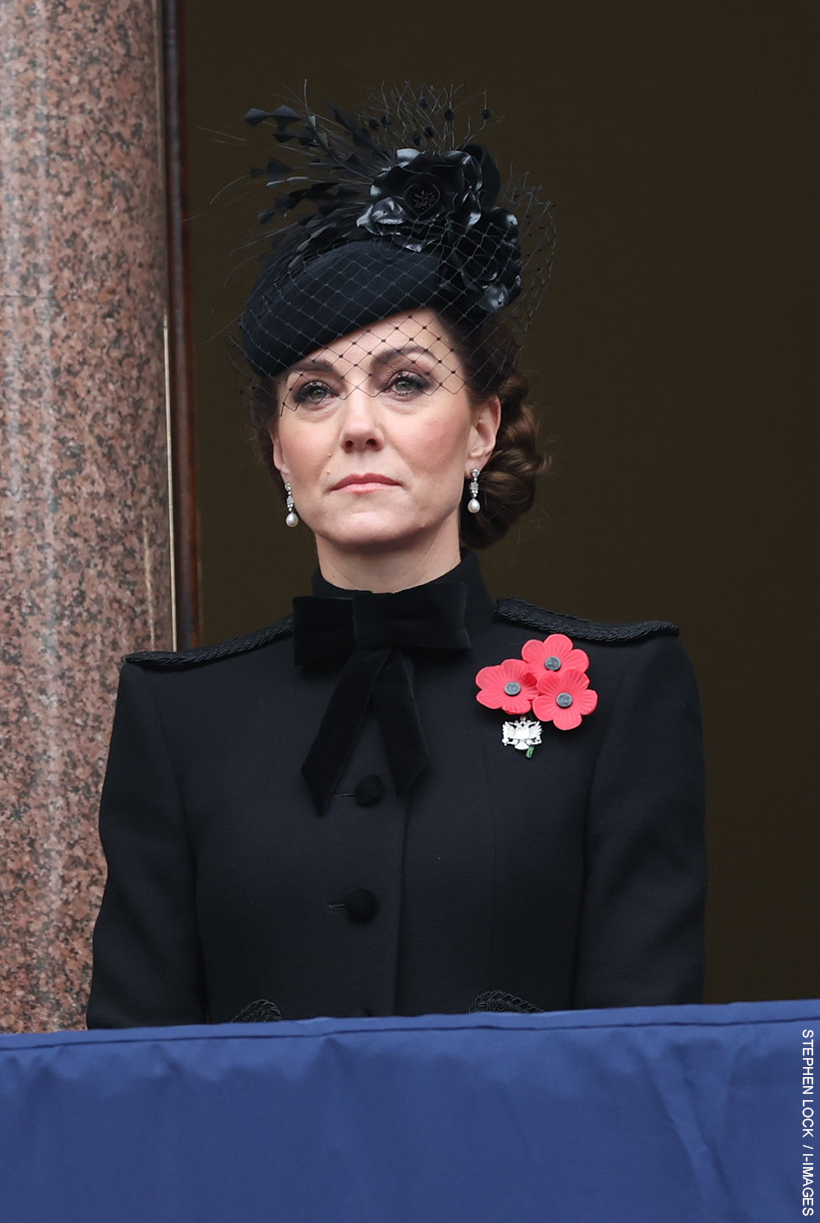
<point x="524" y="734"/>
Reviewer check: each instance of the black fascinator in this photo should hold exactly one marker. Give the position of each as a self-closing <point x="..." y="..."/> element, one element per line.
<point x="398" y="207"/>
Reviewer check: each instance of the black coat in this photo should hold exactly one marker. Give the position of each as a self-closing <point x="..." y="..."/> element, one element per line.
<point x="574" y="878"/>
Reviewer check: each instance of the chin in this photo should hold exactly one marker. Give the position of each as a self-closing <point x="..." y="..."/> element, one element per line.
<point x="372" y="542"/>
<point x="377" y="535"/>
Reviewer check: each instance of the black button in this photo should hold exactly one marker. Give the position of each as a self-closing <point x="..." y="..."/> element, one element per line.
<point x="360" y="1012"/>
<point x="369" y="790"/>
<point x="360" y="904"/>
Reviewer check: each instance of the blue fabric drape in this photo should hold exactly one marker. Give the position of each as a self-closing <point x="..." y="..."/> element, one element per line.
<point x="648" y="1113"/>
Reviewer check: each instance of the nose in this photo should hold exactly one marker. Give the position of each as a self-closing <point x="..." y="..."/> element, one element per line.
<point x="361" y="421"/>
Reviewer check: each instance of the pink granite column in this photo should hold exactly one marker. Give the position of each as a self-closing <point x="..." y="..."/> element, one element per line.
<point x="86" y="568"/>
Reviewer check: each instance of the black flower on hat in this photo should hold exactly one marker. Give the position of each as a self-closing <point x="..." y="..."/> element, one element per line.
<point x="423" y="195"/>
<point x="446" y="199"/>
<point x="486" y="260"/>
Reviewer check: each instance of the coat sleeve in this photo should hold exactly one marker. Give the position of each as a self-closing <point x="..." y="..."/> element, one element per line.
<point x="641" y="939"/>
<point x="146" y="960"/>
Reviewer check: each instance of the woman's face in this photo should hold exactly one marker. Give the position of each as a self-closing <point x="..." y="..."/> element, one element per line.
<point x="376" y="434"/>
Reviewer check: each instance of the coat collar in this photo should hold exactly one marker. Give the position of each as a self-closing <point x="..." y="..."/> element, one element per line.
<point x="480" y="611"/>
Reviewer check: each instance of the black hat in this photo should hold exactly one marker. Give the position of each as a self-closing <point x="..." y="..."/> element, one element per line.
<point x="393" y="213"/>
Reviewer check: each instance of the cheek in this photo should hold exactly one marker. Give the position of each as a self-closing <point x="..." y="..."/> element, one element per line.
<point x="438" y="446"/>
<point x="302" y="452"/>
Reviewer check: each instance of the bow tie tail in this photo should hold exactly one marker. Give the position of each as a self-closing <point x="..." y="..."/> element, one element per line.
<point x="398" y="714"/>
<point x="331" y="749"/>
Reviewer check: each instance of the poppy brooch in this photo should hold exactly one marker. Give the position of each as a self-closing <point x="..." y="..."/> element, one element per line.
<point x="549" y="680"/>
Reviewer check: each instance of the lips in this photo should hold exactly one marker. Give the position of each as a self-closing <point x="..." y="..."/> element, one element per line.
<point x="369" y="477"/>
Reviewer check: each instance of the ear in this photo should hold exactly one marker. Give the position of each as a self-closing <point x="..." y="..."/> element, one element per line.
<point x="278" y="458"/>
<point x="483" y="431"/>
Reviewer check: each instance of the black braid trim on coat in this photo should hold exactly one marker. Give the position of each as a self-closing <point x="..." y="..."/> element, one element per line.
<point x="498" y="1000"/>
<point x="210" y="653"/>
<point x="519" y="612"/>
<point x="260" y="1011"/>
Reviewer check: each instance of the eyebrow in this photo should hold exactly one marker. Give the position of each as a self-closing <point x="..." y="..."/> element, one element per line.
<point x="380" y="358"/>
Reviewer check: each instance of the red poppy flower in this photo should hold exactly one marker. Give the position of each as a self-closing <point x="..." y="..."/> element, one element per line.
<point x="555" y="653"/>
<point x="564" y="697"/>
<point x="510" y="686"/>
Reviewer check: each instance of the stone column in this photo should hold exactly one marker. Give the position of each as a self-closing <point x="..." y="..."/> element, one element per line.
<point x="86" y="570"/>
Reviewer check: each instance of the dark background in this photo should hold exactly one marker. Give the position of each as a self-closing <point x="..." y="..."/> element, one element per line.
<point x="672" y="362"/>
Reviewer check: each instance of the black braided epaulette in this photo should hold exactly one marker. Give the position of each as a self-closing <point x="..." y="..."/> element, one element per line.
<point x="541" y="618"/>
<point x="210" y="653"/>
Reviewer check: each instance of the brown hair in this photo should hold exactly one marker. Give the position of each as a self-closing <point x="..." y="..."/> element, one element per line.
<point x="508" y="481"/>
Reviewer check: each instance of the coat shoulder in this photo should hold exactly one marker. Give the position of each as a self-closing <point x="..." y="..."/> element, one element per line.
<point x="518" y="612"/>
<point x="172" y="660"/>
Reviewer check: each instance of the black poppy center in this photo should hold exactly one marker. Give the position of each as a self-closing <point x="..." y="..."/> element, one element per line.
<point x="422" y="197"/>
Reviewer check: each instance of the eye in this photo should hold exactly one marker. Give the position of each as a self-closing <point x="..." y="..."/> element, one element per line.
<point x="407" y="384"/>
<point x="309" y="393"/>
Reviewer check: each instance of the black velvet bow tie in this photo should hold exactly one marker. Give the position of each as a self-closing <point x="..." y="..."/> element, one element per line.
<point x="370" y="631"/>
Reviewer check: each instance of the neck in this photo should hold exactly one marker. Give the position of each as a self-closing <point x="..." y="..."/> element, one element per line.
<point x="388" y="570"/>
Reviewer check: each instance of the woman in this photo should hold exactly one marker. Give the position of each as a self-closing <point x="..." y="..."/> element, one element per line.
<point x="404" y="798"/>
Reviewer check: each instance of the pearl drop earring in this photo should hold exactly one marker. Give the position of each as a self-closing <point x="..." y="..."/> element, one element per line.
<point x="291" y="518"/>
<point x="474" y="505"/>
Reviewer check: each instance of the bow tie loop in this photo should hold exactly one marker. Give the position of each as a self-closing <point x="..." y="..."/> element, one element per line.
<point x="327" y="629"/>
<point x="322" y="629"/>
<point x="430" y="618"/>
